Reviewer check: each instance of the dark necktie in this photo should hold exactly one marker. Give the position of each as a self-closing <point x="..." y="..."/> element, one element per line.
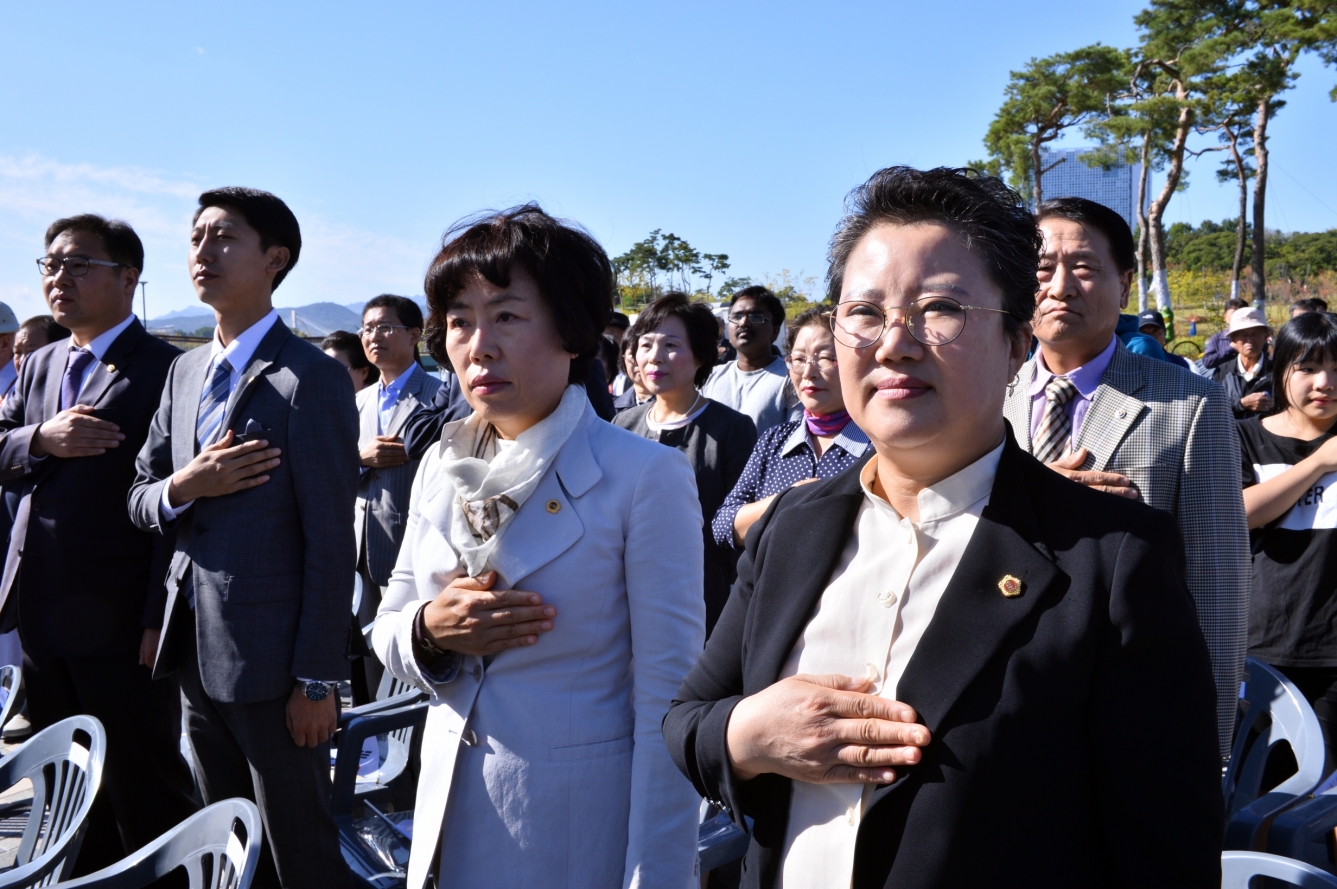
<point x="1055" y="432"/>
<point x="75" y="365"/>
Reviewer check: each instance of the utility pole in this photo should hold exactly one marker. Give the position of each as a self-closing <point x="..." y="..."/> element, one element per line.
<point x="144" y="300"/>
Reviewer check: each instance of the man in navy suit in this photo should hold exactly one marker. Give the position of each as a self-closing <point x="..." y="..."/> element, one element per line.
<point x="252" y="462"/>
<point x="82" y="584"/>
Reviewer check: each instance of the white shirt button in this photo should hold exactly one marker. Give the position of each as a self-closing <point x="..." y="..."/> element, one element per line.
<point x="872" y="673"/>
<point x="849" y="816"/>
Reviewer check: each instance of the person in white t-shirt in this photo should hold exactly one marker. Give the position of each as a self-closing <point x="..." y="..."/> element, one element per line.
<point x="756" y="383"/>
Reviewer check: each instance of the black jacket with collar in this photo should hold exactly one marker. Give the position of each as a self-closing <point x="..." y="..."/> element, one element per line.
<point x="1230" y="378"/>
<point x="1074" y="728"/>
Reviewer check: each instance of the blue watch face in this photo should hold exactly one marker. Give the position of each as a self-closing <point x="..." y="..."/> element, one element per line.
<point x="316" y="691"/>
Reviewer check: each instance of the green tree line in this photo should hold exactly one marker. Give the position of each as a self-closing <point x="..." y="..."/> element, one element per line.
<point x="1211" y="247"/>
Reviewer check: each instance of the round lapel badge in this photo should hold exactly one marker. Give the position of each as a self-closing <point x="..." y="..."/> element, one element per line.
<point x="554" y="507"/>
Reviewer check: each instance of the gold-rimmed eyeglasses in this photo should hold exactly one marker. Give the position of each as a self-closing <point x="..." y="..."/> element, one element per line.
<point x="932" y="320"/>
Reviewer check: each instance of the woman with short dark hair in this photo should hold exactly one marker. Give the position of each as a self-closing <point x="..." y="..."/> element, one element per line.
<point x="346" y="348"/>
<point x="548" y="590"/>
<point x="675" y="349"/>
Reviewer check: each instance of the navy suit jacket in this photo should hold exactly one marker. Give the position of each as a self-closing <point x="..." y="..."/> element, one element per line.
<point x="80" y="579"/>
<point x="1038" y="705"/>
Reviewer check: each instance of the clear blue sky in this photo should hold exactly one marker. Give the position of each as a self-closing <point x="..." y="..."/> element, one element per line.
<point x="740" y="127"/>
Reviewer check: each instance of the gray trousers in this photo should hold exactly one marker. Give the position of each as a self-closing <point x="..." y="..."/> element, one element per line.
<point x="245" y="750"/>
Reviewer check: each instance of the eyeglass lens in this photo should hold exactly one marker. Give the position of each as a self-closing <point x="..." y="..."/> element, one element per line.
<point x="74" y="265"/>
<point x="933" y="321"/>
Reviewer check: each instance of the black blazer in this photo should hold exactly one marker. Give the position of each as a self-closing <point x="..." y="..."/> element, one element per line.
<point x="88" y="581"/>
<point x="1074" y="726"/>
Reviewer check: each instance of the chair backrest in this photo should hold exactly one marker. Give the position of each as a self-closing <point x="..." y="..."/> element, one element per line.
<point x="1272" y="711"/>
<point x="219" y="847"/>
<point x="11" y="680"/>
<point x="64" y="763"/>
<point x="390" y="687"/>
<point x="1239" y="868"/>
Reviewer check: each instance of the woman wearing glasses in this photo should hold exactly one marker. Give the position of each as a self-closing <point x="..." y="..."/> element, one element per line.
<point x="933" y="667"/>
<point x="823" y="444"/>
<point x="675" y="349"/>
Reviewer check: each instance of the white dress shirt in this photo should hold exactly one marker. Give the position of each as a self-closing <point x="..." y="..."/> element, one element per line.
<point x="99" y="346"/>
<point x="868" y="623"/>
<point x="238" y="353"/>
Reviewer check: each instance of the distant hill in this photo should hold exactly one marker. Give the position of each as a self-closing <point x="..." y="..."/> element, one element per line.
<point x="316" y="319"/>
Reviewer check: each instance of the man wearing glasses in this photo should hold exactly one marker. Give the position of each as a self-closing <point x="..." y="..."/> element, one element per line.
<point x="757" y="382"/>
<point x="83" y="585"/>
<point x="391" y="329"/>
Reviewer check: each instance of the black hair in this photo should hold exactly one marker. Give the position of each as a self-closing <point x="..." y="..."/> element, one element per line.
<point x="1312" y="304"/>
<point x="350" y="344"/>
<point x="118" y="238"/>
<point x="619" y="320"/>
<point x="571" y="269"/>
<point x="47" y="324"/>
<point x="1308" y="337"/>
<point x="767" y="301"/>
<point x="1235" y="303"/>
<point x="610" y="353"/>
<point x="1104" y="220"/>
<point x="265" y="213"/>
<point x="814" y="317"/>
<point x="702" y="328"/>
<point x="991" y="219"/>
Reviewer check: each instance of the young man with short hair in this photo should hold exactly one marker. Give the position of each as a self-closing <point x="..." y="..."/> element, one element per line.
<point x="756" y="383"/>
<point x="252" y="461"/>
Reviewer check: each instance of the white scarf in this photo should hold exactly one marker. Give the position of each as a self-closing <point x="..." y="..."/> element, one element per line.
<point x="492" y="483"/>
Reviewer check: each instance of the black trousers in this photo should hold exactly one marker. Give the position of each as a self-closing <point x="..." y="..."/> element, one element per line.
<point x="246" y="750"/>
<point x="147" y="787"/>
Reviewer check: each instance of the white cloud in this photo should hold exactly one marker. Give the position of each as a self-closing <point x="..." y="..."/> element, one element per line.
<point x="339" y="262"/>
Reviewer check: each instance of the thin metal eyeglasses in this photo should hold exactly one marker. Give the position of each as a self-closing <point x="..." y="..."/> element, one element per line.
<point x="380" y="330"/>
<point x="931" y="320"/>
<point x="822" y="363"/>
<point x="75" y="265"/>
<point x="751" y="317"/>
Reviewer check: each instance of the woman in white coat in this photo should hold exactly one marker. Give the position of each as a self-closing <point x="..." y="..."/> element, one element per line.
<point x="548" y="594"/>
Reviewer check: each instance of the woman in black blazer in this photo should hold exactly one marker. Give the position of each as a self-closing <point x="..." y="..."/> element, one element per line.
<point x="1044" y="712"/>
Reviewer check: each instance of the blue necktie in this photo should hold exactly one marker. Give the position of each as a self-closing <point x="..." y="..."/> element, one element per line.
<point x="72" y="382"/>
<point x="213" y="403"/>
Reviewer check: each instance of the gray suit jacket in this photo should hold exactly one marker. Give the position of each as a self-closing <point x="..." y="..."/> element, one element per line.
<point x="272" y="566"/>
<point x="383" y="494"/>
<point x="1172" y="434"/>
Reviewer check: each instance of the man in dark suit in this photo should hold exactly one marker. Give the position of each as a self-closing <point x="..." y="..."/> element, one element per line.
<point x="933" y="667"/>
<point x="252" y="460"/>
<point x="83" y="584"/>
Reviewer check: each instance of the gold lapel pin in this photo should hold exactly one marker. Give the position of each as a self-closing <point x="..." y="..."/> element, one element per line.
<point x="1010" y="586"/>
<point x="111" y="368"/>
<point x="554" y="507"/>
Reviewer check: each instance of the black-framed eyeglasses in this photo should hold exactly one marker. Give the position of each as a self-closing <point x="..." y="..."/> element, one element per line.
<point x="931" y="320"/>
<point x="375" y="330"/>
<point x="74" y="265"/>
<point x="749" y="317"/>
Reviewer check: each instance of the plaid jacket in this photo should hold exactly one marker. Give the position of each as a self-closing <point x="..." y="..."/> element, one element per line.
<point x="1172" y="434"/>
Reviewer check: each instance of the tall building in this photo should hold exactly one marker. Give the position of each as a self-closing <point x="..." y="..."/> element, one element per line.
<point x="1116" y="187"/>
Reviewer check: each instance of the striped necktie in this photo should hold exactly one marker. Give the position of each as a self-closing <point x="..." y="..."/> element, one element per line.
<point x="213" y="403"/>
<point x="1055" y="432"/>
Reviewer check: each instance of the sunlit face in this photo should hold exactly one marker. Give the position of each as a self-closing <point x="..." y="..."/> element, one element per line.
<point x="28" y="339"/>
<point x="1251" y="344"/>
<point x="664" y="356"/>
<point x="357" y="374"/>
<point x="504" y="345"/>
<point x="1081" y="290"/>
<point x="229" y="268"/>
<point x="814" y="370"/>
<point x="96" y="301"/>
<point x="1311" y="388"/>
<point x="392" y="350"/>
<point x="933" y="405"/>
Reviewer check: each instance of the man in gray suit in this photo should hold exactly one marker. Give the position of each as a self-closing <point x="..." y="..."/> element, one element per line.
<point x="391" y="329"/>
<point x="252" y="460"/>
<point x="1135" y="426"/>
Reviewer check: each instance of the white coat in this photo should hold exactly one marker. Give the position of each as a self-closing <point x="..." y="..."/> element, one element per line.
<point x="565" y="780"/>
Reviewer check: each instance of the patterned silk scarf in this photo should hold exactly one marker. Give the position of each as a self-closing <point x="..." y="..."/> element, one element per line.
<point x="493" y="479"/>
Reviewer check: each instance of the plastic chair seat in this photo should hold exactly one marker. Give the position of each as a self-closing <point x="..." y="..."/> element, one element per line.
<point x="1239" y="868"/>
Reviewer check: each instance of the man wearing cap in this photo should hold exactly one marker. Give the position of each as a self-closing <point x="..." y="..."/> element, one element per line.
<point x="1134" y="426"/>
<point x="9" y="374"/>
<point x="1248" y="379"/>
<point x="83" y="585"/>
<point x="1150" y="323"/>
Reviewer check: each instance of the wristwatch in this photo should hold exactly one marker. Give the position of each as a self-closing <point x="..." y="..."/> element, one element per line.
<point x="315" y="691"/>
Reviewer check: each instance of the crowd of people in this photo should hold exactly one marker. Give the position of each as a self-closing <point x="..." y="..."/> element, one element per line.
<point x="903" y="583"/>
